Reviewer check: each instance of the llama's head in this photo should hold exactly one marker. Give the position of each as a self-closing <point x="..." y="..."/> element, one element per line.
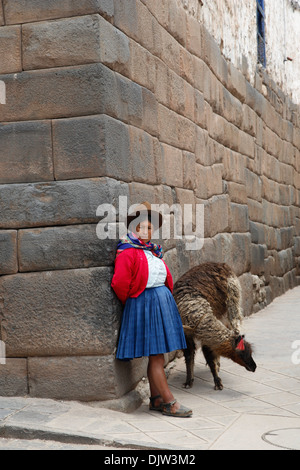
<point x="243" y="354"/>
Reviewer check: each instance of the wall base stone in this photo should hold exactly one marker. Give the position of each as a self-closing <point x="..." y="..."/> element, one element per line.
<point x="83" y="378"/>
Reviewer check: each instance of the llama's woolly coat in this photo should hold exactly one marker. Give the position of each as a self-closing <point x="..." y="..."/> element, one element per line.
<point x="208" y="299"/>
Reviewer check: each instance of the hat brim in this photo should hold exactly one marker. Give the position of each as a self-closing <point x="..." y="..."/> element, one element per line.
<point x="156" y="218"/>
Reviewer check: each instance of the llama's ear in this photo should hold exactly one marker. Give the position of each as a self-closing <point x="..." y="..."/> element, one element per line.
<point x="240" y="343"/>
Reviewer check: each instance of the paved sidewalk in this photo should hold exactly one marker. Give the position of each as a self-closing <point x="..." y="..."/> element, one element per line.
<point x="254" y="411"/>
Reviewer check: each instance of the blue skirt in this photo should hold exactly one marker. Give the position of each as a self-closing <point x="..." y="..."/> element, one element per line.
<point x="151" y="325"/>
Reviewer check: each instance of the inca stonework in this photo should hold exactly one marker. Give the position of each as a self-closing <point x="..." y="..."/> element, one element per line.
<point x="109" y="98"/>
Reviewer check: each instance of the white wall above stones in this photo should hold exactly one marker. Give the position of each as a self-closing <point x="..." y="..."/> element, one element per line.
<point x="233" y="25"/>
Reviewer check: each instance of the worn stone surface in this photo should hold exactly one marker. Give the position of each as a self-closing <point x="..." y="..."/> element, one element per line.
<point x="81" y="378"/>
<point x="1" y="14"/>
<point x="58" y="248"/>
<point x="8" y="252"/>
<point x="90" y="147"/>
<point x="26" y="152"/>
<point x="63" y="92"/>
<point x="59" y="313"/>
<point x="62" y="42"/>
<point x="13" y="378"/>
<point x="24" y="11"/>
<point x="73" y="41"/>
<point x="57" y="203"/>
<point x="10" y="48"/>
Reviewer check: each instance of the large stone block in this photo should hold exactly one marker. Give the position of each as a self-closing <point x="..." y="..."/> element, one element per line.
<point x="297" y="246"/>
<point x="246" y="281"/>
<point x="26" y="152"/>
<point x="246" y="144"/>
<point x="10" y="49"/>
<point x="59" y="313"/>
<point x="211" y="53"/>
<point x="24" y="11"/>
<point x="193" y="36"/>
<point x="258" y="235"/>
<point x="58" y="248"/>
<point x="170" y="169"/>
<point x="209" y="181"/>
<point x="287" y="238"/>
<point x="216" y="215"/>
<point x="275" y="215"/>
<point x="8" y="252"/>
<point x="170" y="51"/>
<point x="162" y="82"/>
<point x="1" y="14"/>
<point x="13" y="377"/>
<point x="241" y="252"/>
<point x="223" y="252"/>
<point x="142" y="69"/>
<point x="239" y="218"/>
<point x="72" y="41"/>
<point x="150" y="112"/>
<point x="168" y="126"/>
<point x="237" y="83"/>
<point x="189" y="170"/>
<point x="141" y="156"/>
<point x="177" y="23"/>
<point x="256" y="213"/>
<point x="250" y="121"/>
<point x="90" y="147"/>
<point x="176" y="92"/>
<point x="286" y="261"/>
<point x="258" y="255"/>
<point x="114" y="47"/>
<point x="253" y="185"/>
<point x="230" y="107"/>
<point x="126" y="17"/>
<point x="83" y="378"/>
<point x="237" y="192"/>
<point x="234" y="167"/>
<point x="69" y="92"/>
<point x="57" y="203"/>
<point x="144" y="192"/>
<point x="129" y="102"/>
<point x="206" y="149"/>
<point x="202" y="110"/>
<point x="63" y="42"/>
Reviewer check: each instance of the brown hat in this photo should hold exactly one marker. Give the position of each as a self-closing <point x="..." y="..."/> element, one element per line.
<point x="145" y="208"/>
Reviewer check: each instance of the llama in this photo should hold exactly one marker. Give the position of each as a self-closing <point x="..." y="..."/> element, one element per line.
<point x="209" y="302"/>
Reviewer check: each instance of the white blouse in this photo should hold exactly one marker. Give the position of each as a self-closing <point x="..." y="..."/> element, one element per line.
<point x="157" y="270"/>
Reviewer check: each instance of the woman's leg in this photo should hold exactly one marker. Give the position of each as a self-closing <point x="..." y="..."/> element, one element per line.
<point x="158" y="381"/>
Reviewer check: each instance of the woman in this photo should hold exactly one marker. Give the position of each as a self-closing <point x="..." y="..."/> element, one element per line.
<point x="151" y="324"/>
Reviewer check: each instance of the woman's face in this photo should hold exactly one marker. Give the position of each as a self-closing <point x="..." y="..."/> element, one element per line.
<point x="144" y="230"/>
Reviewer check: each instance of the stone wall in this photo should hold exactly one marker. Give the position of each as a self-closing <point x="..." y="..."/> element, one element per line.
<point x="112" y="98"/>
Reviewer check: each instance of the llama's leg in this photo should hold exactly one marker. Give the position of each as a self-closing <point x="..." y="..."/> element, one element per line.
<point x="189" y="355"/>
<point x="213" y="361"/>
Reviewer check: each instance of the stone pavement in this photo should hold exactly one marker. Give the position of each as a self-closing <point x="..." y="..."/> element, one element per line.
<point x="254" y="411"/>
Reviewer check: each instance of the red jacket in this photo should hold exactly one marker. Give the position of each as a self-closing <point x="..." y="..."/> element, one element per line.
<point x="131" y="274"/>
